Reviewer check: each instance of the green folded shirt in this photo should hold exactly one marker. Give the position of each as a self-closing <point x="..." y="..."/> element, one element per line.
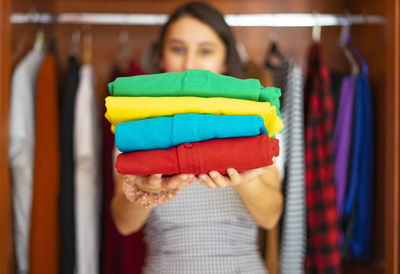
<point x="193" y="82"/>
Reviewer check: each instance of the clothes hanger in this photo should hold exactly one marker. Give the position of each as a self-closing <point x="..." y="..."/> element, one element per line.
<point x="76" y="36"/>
<point x="345" y="38"/>
<point x="360" y="58"/>
<point x="39" y="39"/>
<point x="316" y="30"/>
<point x="125" y="49"/>
<point x="274" y="56"/>
<point x="87" y="46"/>
<point x="243" y="55"/>
<point x="124" y="53"/>
<point x="52" y="38"/>
<point x="52" y="45"/>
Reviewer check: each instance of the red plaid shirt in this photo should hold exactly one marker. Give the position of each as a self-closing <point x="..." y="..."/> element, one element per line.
<point x="323" y="255"/>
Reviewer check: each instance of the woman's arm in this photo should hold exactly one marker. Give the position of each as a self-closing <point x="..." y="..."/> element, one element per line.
<point x="262" y="197"/>
<point x="259" y="190"/>
<point x="128" y="216"/>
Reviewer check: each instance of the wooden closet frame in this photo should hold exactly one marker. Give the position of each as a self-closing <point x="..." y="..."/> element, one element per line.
<point x="5" y="184"/>
<point x="392" y="146"/>
<point x="388" y="152"/>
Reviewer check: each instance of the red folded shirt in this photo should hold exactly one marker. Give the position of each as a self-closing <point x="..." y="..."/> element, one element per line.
<point x="242" y="153"/>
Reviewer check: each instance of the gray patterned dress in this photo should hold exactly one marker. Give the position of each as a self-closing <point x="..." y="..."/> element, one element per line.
<point x="202" y="231"/>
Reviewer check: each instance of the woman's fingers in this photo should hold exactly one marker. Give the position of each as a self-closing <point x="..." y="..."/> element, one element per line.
<point x="156" y="182"/>
<point x="190" y="181"/>
<point x="214" y="179"/>
<point x="207" y="181"/>
<point x="234" y="175"/>
<point x="150" y="183"/>
<point x="251" y="173"/>
<point x="220" y="180"/>
<point x="178" y="181"/>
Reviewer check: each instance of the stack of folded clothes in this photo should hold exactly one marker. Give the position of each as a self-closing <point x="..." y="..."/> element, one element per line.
<point x="192" y="122"/>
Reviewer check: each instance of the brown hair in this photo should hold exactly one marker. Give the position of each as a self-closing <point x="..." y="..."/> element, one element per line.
<point x="213" y="18"/>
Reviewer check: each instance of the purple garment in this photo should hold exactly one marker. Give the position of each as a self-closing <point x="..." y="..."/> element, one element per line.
<point x="342" y="139"/>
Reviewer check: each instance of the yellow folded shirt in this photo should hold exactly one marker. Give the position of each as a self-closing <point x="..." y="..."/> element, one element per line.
<point x="124" y="109"/>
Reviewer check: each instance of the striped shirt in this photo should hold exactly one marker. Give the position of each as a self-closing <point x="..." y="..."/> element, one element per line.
<point x="289" y="78"/>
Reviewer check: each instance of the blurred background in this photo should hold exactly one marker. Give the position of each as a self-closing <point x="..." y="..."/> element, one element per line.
<point x="368" y="29"/>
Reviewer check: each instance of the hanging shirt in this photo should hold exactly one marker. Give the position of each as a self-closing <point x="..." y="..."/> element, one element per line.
<point x="342" y="139"/>
<point x="269" y="239"/>
<point x="124" y="109"/>
<point x="323" y="254"/>
<point x="44" y="232"/>
<point x="66" y="198"/>
<point x="288" y="77"/>
<point x="359" y="201"/>
<point x="87" y="179"/>
<point x="21" y="149"/>
<point x="194" y="83"/>
<point x="242" y="153"/>
<point x="166" y="132"/>
<point x="120" y="254"/>
<point x="336" y="88"/>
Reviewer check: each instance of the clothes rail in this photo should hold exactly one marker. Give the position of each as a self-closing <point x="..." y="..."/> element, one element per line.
<point x="234" y="20"/>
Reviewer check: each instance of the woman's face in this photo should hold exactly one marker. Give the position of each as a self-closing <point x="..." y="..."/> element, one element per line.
<point x="192" y="44"/>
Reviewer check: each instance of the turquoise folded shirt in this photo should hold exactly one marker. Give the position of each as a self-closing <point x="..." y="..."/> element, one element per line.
<point x="198" y="83"/>
<point x="170" y="131"/>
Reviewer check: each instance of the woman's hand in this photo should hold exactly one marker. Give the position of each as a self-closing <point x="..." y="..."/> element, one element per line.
<point x="153" y="190"/>
<point x="214" y="179"/>
<point x="156" y="182"/>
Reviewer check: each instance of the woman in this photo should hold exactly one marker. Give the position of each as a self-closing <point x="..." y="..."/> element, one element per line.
<point x="211" y="224"/>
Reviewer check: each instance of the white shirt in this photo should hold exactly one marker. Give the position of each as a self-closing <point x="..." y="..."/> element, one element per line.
<point x="280" y="160"/>
<point x="21" y="149"/>
<point x="87" y="179"/>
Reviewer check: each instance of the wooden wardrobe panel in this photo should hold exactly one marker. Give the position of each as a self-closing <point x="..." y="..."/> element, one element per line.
<point x="32" y="5"/>
<point x="226" y="6"/>
<point x="5" y="186"/>
<point x="366" y="7"/>
<point x="392" y="138"/>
